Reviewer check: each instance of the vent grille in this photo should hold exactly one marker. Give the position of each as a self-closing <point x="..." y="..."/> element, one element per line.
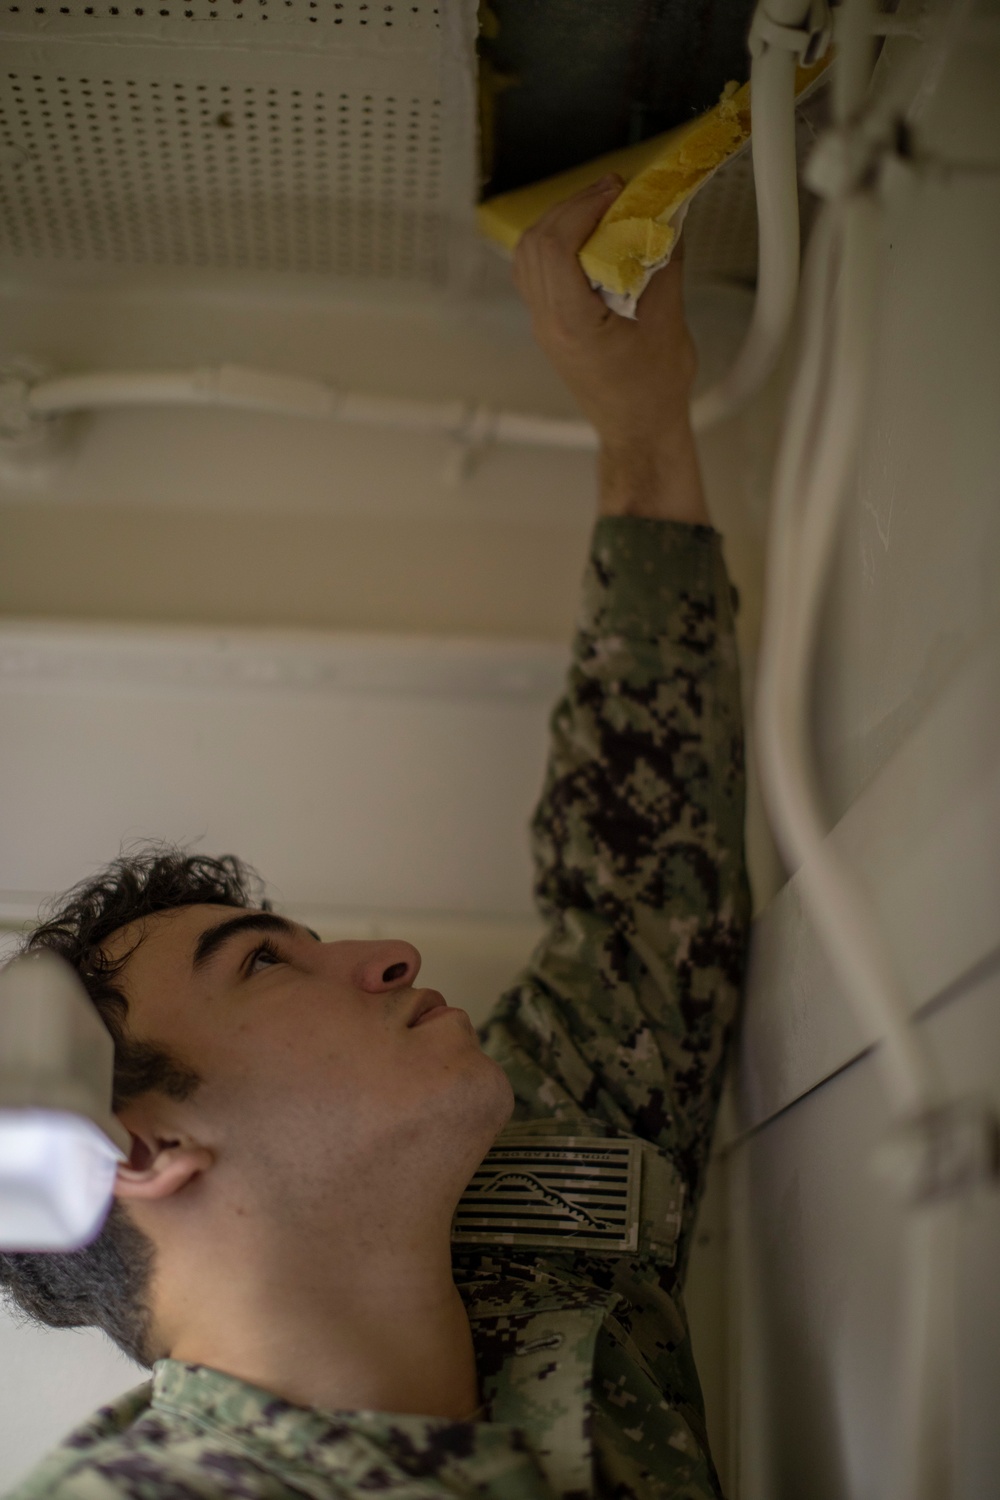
<point x="324" y="13"/>
<point x="147" y="173"/>
<point x="321" y="147"/>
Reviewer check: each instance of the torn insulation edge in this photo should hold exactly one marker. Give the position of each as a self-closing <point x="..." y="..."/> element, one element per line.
<point x="636" y="236"/>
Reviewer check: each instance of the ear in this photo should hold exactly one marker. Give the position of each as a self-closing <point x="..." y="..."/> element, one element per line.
<point x="160" y="1171"/>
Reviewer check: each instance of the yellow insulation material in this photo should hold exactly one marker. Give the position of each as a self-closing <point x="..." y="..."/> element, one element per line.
<point x="660" y="176"/>
<point x="635" y="233"/>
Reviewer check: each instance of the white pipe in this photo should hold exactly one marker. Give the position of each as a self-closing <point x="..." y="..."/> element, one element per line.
<point x="803" y="529"/>
<point x="242" y="388"/>
<point x="223" y="385"/>
<point x="545" y="432"/>
<point x="855" y="59"/>
<point x="811" y="479"/>
<point x="923" y="1465"/>
<point x="772" y="142"/>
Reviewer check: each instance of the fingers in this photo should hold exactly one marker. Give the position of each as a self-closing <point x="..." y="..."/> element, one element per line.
<point x="571" y="223"/>
<point x="662" y="301"/>
<point x="547" y="272"/>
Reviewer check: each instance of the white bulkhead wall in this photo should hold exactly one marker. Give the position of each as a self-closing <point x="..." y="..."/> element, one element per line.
<point x="907" y="717"/>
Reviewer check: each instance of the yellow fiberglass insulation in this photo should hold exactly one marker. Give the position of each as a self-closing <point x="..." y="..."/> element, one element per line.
<point x="636" y="233"/>
<point x="661" y="175"/>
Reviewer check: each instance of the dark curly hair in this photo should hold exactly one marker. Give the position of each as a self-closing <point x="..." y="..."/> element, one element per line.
<point x="106" y="1283"/>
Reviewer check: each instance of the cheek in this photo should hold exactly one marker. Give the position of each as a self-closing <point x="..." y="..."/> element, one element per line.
<point x="307" y="1055"/>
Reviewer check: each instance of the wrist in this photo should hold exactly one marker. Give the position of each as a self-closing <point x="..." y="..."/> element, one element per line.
<point x="656" y="478"/>
<point x="648" y="437"/>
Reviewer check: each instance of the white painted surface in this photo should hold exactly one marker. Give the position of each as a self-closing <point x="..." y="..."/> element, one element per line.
<point x="818" y="1256"/>
<point x="50" y="1380"/>
<point x="921" y="840"/>
<point x="906" y="703"/>
<point x="915" y="590"/>
<point x="353" y="778"/>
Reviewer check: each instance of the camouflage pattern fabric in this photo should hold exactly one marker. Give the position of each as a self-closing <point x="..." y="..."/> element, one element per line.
<point x="616" y="1030"/>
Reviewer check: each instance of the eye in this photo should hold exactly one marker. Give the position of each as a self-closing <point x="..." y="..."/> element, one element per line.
<point x="264" y="949"/>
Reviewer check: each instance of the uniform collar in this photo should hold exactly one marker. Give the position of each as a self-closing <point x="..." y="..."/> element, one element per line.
<point x="368" y="1450"/>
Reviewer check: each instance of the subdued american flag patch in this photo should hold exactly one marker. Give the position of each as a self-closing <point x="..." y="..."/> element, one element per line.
<point x="556" y="1192"/>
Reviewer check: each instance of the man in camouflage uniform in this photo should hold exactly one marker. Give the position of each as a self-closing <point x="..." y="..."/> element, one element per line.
<point x="358" y="1285"/>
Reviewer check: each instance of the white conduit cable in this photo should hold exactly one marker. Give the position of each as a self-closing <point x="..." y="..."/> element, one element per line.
<point x="772" y="144"/>
<point x="803" y="527"/>
<point x="240" y="387"/>
<point x="923" y="1463"/>
<point x="845" y="925"/>
<point x="939" y="1150"/>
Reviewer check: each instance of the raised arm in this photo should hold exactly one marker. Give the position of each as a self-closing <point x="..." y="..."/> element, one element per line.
<point x="625" y="1009"/>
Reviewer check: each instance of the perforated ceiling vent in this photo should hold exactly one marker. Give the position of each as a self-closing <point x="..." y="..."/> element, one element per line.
<point x="331" y="136"/>
<point x="327" y="12"/>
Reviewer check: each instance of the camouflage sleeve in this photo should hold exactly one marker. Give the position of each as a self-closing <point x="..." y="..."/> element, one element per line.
<point x="624" y="1011"/>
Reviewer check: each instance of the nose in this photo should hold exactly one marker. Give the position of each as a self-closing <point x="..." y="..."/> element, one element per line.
<point x="389" y="965"/>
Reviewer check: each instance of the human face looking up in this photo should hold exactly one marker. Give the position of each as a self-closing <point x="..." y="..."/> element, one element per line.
<point x="326" y="1071"/>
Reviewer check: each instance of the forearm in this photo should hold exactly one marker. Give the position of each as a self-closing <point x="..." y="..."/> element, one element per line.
<point x="657" y="481"/>
<point x="626" y="1008"/>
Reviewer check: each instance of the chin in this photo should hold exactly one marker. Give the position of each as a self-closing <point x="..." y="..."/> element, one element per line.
<point x="508" y="1095"/>
<point x="485" y="1105"/>
<point x="499" y="1095"/>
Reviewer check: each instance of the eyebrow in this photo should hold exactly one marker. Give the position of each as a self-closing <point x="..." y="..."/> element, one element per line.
<point x="213" y="939"/>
